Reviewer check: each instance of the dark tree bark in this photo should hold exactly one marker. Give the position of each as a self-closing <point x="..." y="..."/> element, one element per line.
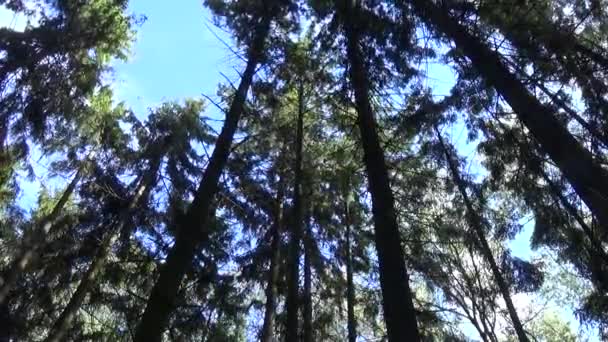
<point x="193" y="228"/>
<point x="399" y="312"/>
<point x="571" y="54"/>
<point x="308" y="333"/>
<point x="572" y="211"/>
<point x="476" y="222"/>
<point x="350" y="286"/>
<point x="597" y="57"/>
<point x="588" y="178"/>
<point x="141" y="193"/>
<point x="266" y="334"/>
<point x="586" y="125"/>
<point x="595" y="132"/>
<point x="296" y="227"/>
<point x="595" y="249"/>
<point x="34" y="240"/>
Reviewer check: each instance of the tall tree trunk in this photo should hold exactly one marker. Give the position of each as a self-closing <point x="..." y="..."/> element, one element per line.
<point x="296" y="227"/>
<point x="5" y="156"/>
<point x="266" y="334"/>
<point x="399" y="313"/>
<point x="599" y="58"/>
<point x="350" y="286"/>
<point x="61" y="325"/>
<point x="34" y="240"/>
<point x="193" y="229"/>
<point x="593" y="239"/>
<point x="308" y="334"/>
<point x="587" y="178"/>
<point x="476" y="222"/>
<point x="562" y="42"/>
<point x="563" y="105"/>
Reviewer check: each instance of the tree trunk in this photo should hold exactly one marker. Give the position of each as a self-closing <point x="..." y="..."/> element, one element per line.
<point x="595" y="56"/>
<point x="61" y="325"/>
<point x="563" y="105"/>
<point x="573" y="56"/>
<point x="476" y="222"/>
<point x="308" y="335"/>
<point x="59" y="328"/>
<point x="266" y="334"/>
<point x="5" y="156"/>
<point x="350" y="286"/>
<point x="593" y="239"/>
<point x="587" y="178"/>
<point x="34" y="240"/>
<point x="399" y="313"/>
<point x="296" y="228"/>
<point x="193" y="229"/>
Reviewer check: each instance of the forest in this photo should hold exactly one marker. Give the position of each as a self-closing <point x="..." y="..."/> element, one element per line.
<point x="374" y="170"/>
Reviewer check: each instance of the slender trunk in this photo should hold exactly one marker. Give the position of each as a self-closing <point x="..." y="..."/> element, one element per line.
<point x="595" y="56"/>
<point x="350" y="286"/>
<point x="193" y="229"/>
<point x="266" y="334"/>
<point x="61" y="325"/>
<point x="296" y="228"/>
<point x="587" y="178"/>
<point x="562" y="104"/>
<point x="270" y="306"/>
<point x="399" y="312"/>
<point x="476" y="223"/>
<point x="208" y="322"/>
<point x="5" y="156"/>
<point x="560" y="42"/>
<point x="480" y="331"/>
<point x="596" y="250"/>
<point x="34" y="240"/>
<point x="308" y="335"/>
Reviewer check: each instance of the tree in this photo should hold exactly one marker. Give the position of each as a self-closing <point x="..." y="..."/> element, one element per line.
<point x="100" y="130"/>
<point x="48" y="71"/>
<point x="356" y="189"/>
<point x="167" y="144"/>
<point x="193" y="230"/>
<point x="585" y="175"/>
<point x="476" y="223"/>
<point x="397" y="297"/>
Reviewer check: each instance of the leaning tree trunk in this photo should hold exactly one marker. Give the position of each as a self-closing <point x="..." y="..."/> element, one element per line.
<point x="599" y="58"/>
<point x="596" y="250"/>
<point x="547" y="36"/>
<point x="266" y="334"/>
<point x="61" y="325"/>
<point x="476" y="222"/>
<point x="589" y="180"/>
<point x="291" y="302"/>
<point x="193" y="229"/>
<point x="34" y="240"/>
<point x="595" y="132"/>
<point x="399" y="313"/>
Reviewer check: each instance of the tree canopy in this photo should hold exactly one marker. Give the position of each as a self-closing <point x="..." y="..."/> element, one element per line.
<point x="340" y="196"/>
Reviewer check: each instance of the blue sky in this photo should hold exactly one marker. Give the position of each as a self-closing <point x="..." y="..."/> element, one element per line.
<point x="176" y="55"/>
